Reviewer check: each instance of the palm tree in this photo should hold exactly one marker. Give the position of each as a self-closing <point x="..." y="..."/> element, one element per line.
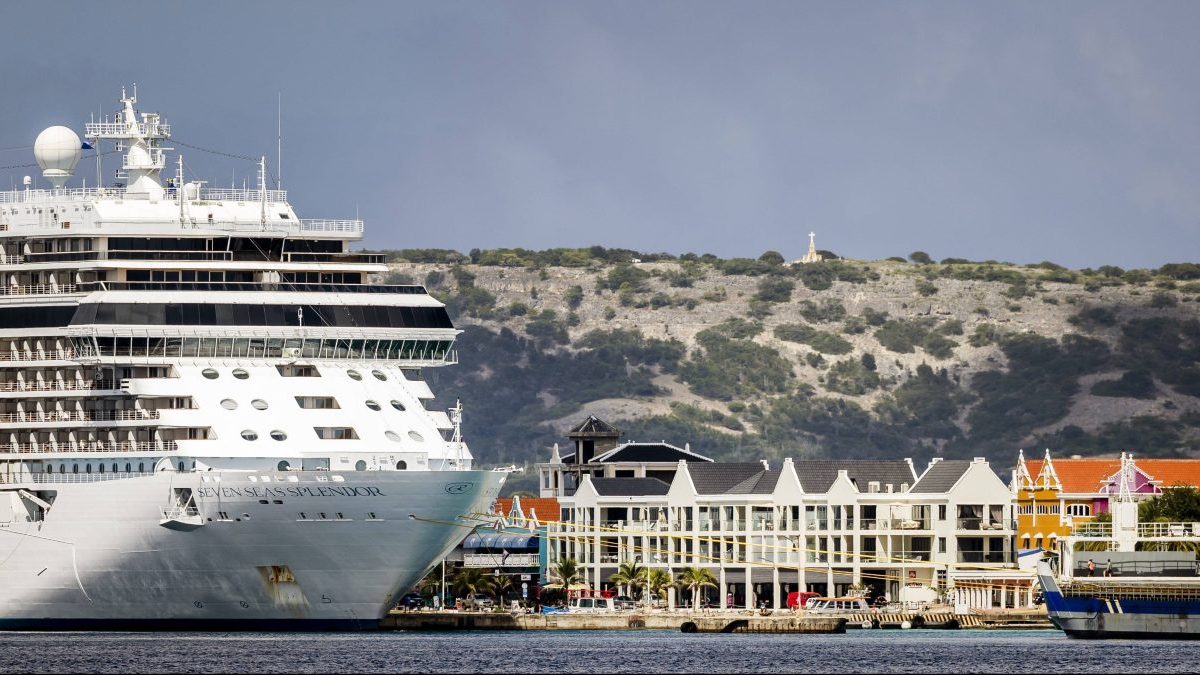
<point x="658" y="581"/>
<point x="694" y="579"/>
<point x="564" y="574"/>
<point x="631" y="575"/>
<point x="469" y="581"/>
<point x="501" y="586"/>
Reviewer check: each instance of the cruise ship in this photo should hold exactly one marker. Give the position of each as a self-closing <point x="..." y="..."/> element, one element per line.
<point x="209" y="417"/>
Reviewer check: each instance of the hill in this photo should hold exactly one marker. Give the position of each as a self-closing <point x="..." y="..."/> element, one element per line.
<point x="751" y="358"/>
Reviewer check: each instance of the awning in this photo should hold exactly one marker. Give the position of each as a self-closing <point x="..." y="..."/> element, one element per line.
<point x="501" y="540"/>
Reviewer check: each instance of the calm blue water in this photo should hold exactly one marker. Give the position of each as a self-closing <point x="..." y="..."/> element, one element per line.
<point x="587" y="652"/>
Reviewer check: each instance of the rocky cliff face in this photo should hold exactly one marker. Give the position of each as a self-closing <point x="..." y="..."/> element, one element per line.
<point x="873" y="359"/>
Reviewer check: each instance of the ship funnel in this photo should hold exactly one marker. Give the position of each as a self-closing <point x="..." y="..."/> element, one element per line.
<point x="57" y="151"/>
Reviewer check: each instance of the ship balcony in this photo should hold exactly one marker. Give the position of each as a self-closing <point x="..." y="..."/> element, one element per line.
<point x="39" y="355"/>
<point x="61" y="418"/>
<point x="89" y="447"/>
<point x="41" y="289"/>
<point x="25" y="389"/>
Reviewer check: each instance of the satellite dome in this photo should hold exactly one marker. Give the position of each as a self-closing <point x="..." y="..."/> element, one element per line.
<point x="57" y="150"/>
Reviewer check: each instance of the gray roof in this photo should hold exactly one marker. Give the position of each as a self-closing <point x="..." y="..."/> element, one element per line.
<point x="629" y="487"/>
<point x="941" y="476"/>
<point x="817" y="475"/>
<point x="648" y="452"/>
<point x="717" y="478"/>
<point x="593" y="426"/>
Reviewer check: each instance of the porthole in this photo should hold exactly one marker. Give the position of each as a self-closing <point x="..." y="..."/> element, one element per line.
<point x="62" y="468"/>
<point x="49" y="468"/>
<point x="210" y="374"/>
<point x="141" y="467"/>
<point x="278" y="435"/>
<point x="373" y="405"/>
<point x="283" y="465"/>
<point x="229" y="404"/>
<point x="398" y="405"/>
<point x="74" y="468"/>
<point x="181" y="466"/>
<point x="354" y="375"/>
<point x="128" y="467"/>
<point x="392" y="436"/>
<point x="114" y="467"/>
<point x="415" y="436"/>
<point x="88" y="467"/>
<point x="259" y="404"/>
<point x="250" y="435"/>
<point x="401" y="465"/>
<point x="360" y="465"/>
<point x="240" y="373"/>
<point x="101" y="467"/>
<point x="379" y="375"/>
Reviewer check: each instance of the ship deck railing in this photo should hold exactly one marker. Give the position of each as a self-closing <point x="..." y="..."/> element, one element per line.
<point x="89" y="447"/>
<point x="58" y="385"/>
<point x="40" y="289"/>
<point x="58" y="478"/>
<point x="1144" y="530"/>
<point x="39" y="355"/>
<point x="33" y="416"/>
<point x="38" y="196"/>
<point x="236" y="286"/>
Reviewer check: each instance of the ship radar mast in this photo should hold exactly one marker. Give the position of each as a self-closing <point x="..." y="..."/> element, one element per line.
<point x="142" y="141"/>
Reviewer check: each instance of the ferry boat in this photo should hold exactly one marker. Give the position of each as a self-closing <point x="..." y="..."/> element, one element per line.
<point x="209" y="417"/>
<point x="1126" y="579"/>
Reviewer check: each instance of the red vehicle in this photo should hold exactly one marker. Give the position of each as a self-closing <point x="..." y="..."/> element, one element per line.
<point x="797" y="600"/>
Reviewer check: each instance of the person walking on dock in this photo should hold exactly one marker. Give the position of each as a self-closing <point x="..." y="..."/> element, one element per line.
<point x="1091" y="567"/>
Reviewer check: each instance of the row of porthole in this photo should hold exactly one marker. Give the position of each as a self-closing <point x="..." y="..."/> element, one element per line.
<point x="252" y="435"/>
<point x="259" y="404"/>
<point x="62" y="468"/>
<point x="360" y="465"/>
<point x="241" y="374"/>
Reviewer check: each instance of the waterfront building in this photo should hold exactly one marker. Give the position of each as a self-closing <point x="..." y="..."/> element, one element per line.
<point x="765" y="531"/>
<point x="1053" y="496"/>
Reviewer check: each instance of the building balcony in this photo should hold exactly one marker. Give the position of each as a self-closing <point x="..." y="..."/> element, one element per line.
<point x="994" y="557"/>
<point x="493" y="560"/>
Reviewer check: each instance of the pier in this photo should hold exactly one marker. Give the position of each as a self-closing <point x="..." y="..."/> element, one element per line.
<point x="708" y="622"/>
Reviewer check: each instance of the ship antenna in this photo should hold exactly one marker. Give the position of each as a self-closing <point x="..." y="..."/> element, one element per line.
<point x="278" y="140"/>
<point x="456" y="417"/>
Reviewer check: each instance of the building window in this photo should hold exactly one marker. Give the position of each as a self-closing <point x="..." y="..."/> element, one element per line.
<point x="941" y="544"/>
<point x="1079" y="510"/>
<point x="942" y="513"/>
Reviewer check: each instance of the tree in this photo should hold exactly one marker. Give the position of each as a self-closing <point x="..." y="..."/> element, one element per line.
<point x="658" y="581"/>
<point x="920" y="257"/>
<point x="631" y="575"/>
<point x="565" y="573"/>
<point x="771" y="258"/>
<point x="501" y="587"/>
<point x="1178" y="504"/>
<point x="469" y="581"/>
<point x="694" y="579"/>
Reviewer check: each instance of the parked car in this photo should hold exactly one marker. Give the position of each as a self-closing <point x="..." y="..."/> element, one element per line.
<point x="412" y="601"/>
<point x="482" y="601"/>
<point x="625" y="602"/>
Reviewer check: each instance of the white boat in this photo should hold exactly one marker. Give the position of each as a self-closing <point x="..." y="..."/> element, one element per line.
<point x="839" y="605"/>
<point x="208" y="414"/>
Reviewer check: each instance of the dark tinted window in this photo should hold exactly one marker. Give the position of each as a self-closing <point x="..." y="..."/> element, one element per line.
<point x="200" y="314"/>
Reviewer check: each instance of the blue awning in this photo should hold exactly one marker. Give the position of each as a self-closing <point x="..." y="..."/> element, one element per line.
<point x="501" y="540"/>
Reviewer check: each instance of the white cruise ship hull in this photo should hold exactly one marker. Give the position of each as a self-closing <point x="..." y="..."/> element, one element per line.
<point x="312" y="549"/>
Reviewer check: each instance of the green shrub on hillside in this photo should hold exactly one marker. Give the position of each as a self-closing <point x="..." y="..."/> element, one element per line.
<point x="1131" y="384"/>
<point x="726" y="368"/>
<point x="573" y="296"/>
<point x="774" y="289"/>
<point x="851" y="378"/>
<point x="827" y="311"/>
<point x="815" y="276"/>
<point x="624" y="277"/>
<point x="824" y="342"/>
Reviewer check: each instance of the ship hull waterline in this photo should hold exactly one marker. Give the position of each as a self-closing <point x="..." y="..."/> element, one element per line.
<point x="278" y="550"/>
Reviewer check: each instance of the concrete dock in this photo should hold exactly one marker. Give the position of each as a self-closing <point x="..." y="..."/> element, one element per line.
<point x="704" y="622"/>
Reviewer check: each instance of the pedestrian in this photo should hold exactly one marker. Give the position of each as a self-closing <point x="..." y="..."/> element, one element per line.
<point x="1108" y="570"/>
<point x="1091" y="567"/>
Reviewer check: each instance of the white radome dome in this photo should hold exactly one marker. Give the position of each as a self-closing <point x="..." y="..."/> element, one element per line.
<point x="57" y="151"/>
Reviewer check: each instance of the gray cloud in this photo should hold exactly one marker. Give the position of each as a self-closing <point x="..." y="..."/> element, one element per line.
<point x="1018" y="131"/>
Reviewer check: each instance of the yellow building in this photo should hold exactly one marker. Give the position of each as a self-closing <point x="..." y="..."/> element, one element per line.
<point x="1054" y="495"/>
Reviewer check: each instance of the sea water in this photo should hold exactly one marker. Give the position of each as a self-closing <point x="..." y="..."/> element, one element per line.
<point x="859" y="651"/>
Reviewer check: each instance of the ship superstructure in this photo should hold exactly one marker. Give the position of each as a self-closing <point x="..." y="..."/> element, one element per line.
<point x="184" y="367"/>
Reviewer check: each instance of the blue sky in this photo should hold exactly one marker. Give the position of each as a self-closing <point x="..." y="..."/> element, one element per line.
<point x="1020" y="131"/>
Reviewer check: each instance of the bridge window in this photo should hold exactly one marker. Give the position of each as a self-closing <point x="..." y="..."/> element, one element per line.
<point x="373" y="405"/>
<point x="398" y="405"/>
<point x="278" y="435"/>
<point x="210" y="374"/>
<point x="354" y="375"/>
<point x="240" y="373"/>
<point x="250" y="435"/>
<point x="379" y="375"/>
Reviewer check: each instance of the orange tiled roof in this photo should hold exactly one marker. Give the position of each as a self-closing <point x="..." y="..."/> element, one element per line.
<point x="1086" y="475"/>
<point x="546" y="507"/>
